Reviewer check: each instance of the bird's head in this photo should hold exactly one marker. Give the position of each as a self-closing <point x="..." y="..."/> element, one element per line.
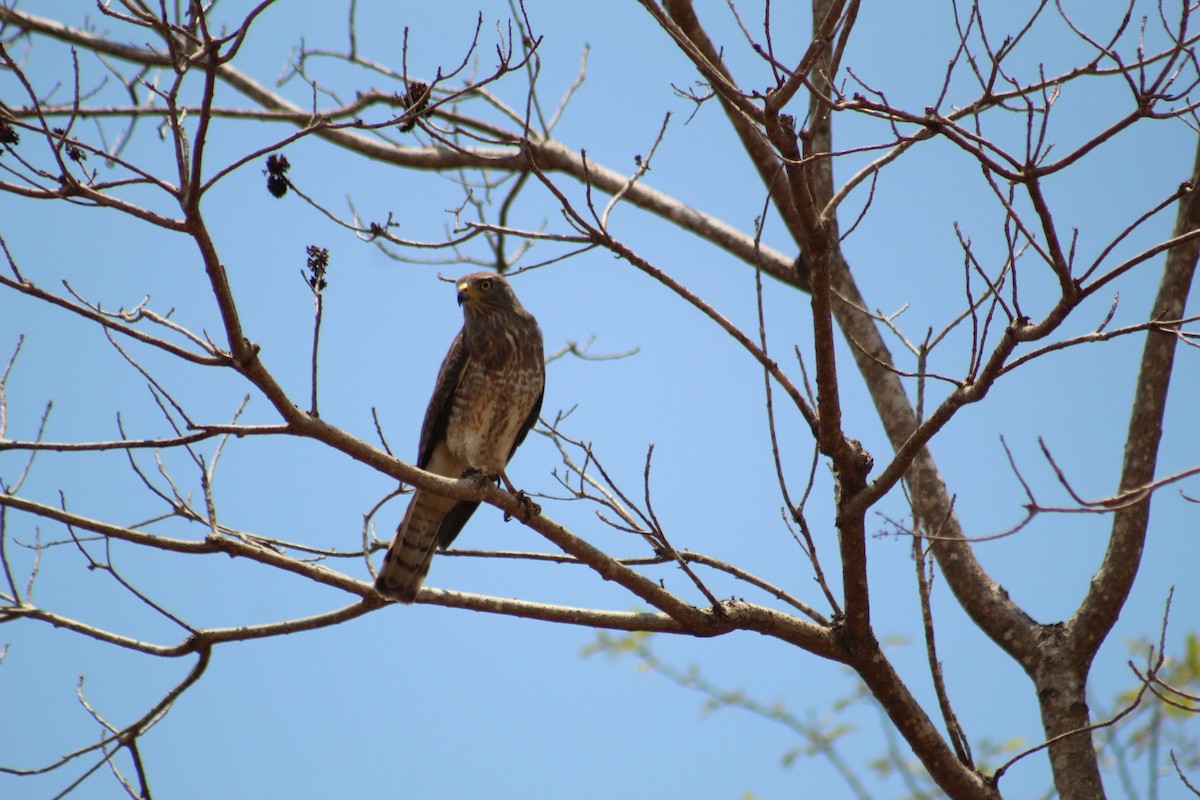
<point x="484" y="290"/>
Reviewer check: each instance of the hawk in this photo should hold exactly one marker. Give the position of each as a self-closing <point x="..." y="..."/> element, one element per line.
<point x="487" y="397"/>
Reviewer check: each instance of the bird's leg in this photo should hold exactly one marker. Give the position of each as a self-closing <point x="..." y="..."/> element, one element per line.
<point x="529" y="509"/>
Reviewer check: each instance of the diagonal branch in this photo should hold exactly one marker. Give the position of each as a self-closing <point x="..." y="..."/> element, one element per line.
<point x="1096" y="615"/>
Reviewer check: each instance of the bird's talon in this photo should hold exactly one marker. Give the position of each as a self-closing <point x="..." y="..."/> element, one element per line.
<point x="529" y="509"/>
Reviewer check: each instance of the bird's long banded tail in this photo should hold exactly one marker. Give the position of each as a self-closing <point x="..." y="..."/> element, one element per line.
<point x="408" y="557"/>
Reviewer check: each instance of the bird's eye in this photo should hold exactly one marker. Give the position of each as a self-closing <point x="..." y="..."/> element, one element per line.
<point x="485" y="285"/>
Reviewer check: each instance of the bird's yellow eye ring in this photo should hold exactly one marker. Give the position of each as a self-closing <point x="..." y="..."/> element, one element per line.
<point x="485" y="285"/>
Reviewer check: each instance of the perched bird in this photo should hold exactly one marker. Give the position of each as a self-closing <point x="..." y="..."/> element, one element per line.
<point x="487" y="397"/>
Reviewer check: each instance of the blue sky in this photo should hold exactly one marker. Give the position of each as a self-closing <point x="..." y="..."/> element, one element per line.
<point x="428" y="702"/>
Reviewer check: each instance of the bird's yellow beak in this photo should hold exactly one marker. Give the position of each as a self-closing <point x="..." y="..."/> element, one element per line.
<point x="464" y="291"/>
